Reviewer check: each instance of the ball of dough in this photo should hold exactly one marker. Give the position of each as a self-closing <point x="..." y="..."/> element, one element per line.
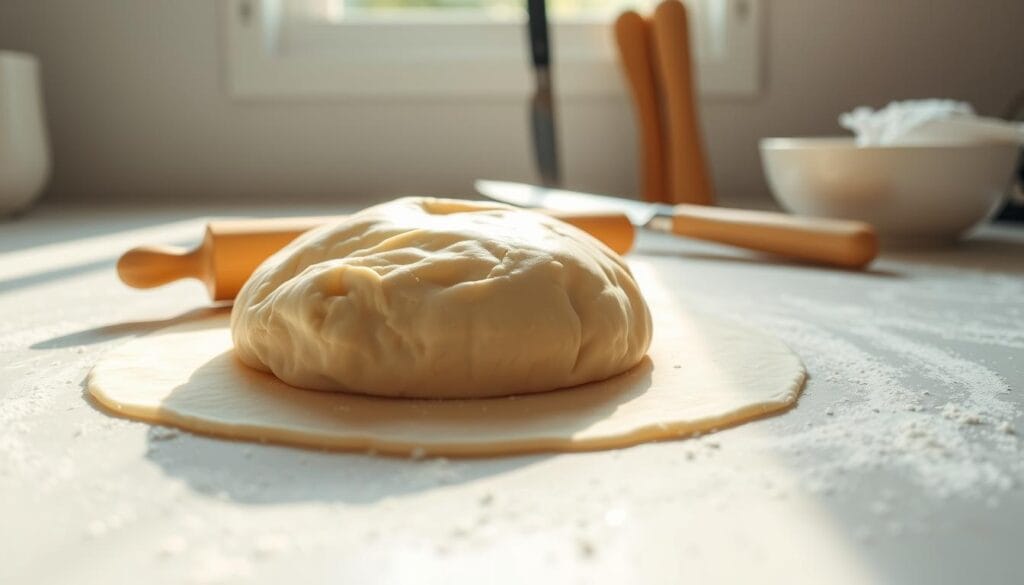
<point x="435" y="298"/>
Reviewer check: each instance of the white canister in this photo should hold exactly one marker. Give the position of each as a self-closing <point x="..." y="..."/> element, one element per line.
<point x="24" y="150"/>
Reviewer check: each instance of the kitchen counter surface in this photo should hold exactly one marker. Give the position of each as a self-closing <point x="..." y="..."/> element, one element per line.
<point x="901" y="462"/>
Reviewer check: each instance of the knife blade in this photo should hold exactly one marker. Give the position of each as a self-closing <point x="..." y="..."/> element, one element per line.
<point x="639" y="213"/>
<point x="542" y="106"/>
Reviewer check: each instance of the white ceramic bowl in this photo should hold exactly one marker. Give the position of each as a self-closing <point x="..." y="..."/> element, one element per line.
<point x="911" y="194"/>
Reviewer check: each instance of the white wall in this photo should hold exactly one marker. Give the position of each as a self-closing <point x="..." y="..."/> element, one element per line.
<point x="138" y="111"/>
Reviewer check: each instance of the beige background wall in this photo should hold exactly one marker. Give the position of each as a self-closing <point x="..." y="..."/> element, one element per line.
<point x="138" y="110"/>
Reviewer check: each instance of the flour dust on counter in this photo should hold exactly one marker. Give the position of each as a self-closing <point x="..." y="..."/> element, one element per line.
<point x="944" y="418"/>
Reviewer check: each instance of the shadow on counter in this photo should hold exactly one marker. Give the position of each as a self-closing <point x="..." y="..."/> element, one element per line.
<point x="126" y="329"/>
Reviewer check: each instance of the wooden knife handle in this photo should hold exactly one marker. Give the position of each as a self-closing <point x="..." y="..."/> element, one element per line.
<point x="843" y="243"/>
<point x="233" y="248"/>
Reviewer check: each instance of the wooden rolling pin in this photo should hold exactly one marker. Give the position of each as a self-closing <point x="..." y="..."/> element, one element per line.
<point x="688" y="177"/>
<point x="233" y="248"/>
<point x="636" y="55"/>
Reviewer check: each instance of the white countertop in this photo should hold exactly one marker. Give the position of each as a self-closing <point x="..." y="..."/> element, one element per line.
<point x="901" y="463"/>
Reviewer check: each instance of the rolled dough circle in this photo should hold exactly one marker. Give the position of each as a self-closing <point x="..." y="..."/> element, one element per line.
<point x="439" y="298"/>
<point x="700" y="374"/>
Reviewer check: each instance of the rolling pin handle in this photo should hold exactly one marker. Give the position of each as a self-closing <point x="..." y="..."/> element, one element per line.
<point x="612" y="229"/>
<point x="152" y="266"/>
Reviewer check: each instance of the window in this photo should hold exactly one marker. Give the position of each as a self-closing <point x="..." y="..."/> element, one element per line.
<point x="437" y="48"/>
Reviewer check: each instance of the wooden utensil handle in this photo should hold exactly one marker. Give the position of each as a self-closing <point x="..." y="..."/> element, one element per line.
<point x="688" y="178"/>
<point x="613" y="229"/>
<point x="636" y="55"/>
<point x="152" y="266"/>
<point x="233" y="248"/>
<point x="848" y="244"/>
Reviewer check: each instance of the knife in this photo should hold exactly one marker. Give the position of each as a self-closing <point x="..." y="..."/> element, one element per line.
<point x="842" y="243"/>
<point x="542" y="107"/>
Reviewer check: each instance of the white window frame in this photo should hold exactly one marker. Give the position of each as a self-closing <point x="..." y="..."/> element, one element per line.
<point x="478" y="59"/>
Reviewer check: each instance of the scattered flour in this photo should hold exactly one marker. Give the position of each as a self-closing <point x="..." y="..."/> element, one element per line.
<point x="272" y="544"/>
<point x="903" y="399"/>
<point x="123" y="515"/>
<point x="173" y="546"/>
<point x="216" y="567"/>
